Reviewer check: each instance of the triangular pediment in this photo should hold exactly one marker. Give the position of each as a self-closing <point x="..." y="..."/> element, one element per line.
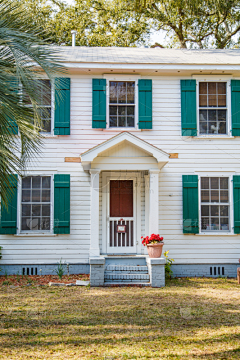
<point x="124" y="145"/>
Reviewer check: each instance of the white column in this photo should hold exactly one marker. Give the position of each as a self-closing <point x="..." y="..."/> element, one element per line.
<point x="94" y="230"/>
<point x="153" y="202"/>
<point x="146" y="205"/>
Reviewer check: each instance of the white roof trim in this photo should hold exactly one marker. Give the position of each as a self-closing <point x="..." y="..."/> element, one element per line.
<point x="88" y="156"/>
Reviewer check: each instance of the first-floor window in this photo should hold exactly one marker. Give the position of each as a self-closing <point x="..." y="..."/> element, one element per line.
<point x="36" y="203"/>
<point x="215" y="204"/>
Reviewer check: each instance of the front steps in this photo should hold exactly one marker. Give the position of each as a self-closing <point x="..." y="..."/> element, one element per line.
<point x="126" y="271"/>
<point x="123" y="270"/>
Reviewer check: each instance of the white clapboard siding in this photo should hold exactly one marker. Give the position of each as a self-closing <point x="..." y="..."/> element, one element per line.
<point x="194" y="155"/>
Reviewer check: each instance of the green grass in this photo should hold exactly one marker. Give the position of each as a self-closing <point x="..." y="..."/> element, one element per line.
<point x="188" y="319"/>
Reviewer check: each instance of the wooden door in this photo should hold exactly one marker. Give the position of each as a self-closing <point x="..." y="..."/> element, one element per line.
<point x="121" y="217"/>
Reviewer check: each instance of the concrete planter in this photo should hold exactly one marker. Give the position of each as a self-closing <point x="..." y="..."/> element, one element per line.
<point x="155" y="250"/>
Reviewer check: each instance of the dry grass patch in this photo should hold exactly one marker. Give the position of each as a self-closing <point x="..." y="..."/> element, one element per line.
<point x="188" y="319"/>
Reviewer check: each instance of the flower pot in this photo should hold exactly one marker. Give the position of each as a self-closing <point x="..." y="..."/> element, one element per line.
<point x="155" y="250"/>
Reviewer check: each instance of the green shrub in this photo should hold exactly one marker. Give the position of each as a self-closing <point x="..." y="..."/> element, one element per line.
<point x="168" y="265"/>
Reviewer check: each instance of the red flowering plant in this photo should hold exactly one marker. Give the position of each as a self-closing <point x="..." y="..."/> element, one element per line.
<point x="153" y="239"/>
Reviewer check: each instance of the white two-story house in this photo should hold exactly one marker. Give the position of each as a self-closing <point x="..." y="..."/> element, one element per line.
<point x="144" y="138"/>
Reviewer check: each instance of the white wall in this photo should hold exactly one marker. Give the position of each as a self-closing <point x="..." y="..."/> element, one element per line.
<point x="194" y="155"/>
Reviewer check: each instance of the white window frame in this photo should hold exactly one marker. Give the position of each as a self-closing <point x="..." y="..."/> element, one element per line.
<point x="230" y="192"/>
<point x="19" y="218"/>
<point x="43" y="133"/>
<point x="111" y="77"/>
<point x="228" y="117"/>
<point x="227" y="80"/>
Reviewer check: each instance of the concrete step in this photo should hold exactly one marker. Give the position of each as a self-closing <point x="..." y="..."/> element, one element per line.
<point x="126" y="260"/>
<point x="126" y="268"/>
<point x="115" y="283"/>
<point x="128" y="277"/>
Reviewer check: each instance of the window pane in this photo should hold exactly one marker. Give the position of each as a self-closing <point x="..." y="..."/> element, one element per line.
<point x="202" y="100"/>
<point x="36" y="195"/>
<point x="203" y="115"/>
<point x="46" y="182"/>
<point x="122" y="95"/>
<point x="24" y="223"/>
<point x="130" y="110"/>
<point x="214" y="223"/>
<point x="222" y="128"/>
<point x="224" y="224"/>
<point x="113" y="110"/>
<point x="214" y="181"/>
<point x="46" y="196"/>
<point x="202" y="88"/>
<point x="205" y="223"/>
<point x="36" y="210"/>
<point x="214" y="196"/>
<point x="46" y="126"/>
<point x="45" y="223"/>
<point x="35" y="224"/>
<point x="203" y="128"/>
<point x="214" y="210"/>
<point x="36" y="182"/>
<point x="121" y="121"/>
<point x="205" y="183"/>
<point x="113" y="92"/>
<point x="130" y="121"/>
<point x="26" y="182"/>
<point x="45" y="210"/>
<point x="223" y="183"/>
<point x="26" y="196"/>
<point x="205" y="195"/>
<point x="221" y="88"/>
<point x="205" y="210"/>
<point x="224" y="210"/>
<point x="212" y="128"/>
<point x="212" y="115"/>
<point x="222" y="101"/>
<point x="224" y="196"/>
<point x="26" y="210"/>
<point x="121" y="110"/>
<point x="113" y="121"/>
<point x="212" y="88"/>
<point x="46" y="92"/>
<point x="130" y="92"/>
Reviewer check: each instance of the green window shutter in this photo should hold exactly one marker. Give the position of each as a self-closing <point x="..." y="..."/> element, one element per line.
<point x="61" y="204"/>
<point x="190" y="204"/>
<point x="188" y="108"/>
<point x="8" y="223"/>
<point x="235" y="107"/>
<point x="144" y="104"/>
<point x="236" y="203"/>
<point x="99" y="115"/>
<point x="12" y="125"/>
<point x="62" y="106"/>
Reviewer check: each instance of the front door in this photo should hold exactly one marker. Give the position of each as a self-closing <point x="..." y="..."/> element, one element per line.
<point x="121" y="219"/>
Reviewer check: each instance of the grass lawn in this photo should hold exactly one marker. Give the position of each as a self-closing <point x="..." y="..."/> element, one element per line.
<point x="188" y="319"/>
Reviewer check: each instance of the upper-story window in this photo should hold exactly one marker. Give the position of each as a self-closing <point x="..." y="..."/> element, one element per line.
<point x="213" y="108"/>
<point x="44" y="104"/>
<point x="122" y="104"/>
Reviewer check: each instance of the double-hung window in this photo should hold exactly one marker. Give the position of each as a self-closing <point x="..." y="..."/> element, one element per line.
<point x="44" y="104"/>
<point x="215" y="206"/>
<point x="122" y="104"/>
<point x="213" y="108"/>
<point x="36" y="204"/>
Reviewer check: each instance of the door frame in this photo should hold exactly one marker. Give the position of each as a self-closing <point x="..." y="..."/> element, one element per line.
<point x="121" y="175"/>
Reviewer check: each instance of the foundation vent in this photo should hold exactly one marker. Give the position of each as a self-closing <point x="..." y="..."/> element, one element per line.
<point x="217" y="271"/>
<point x="29" y="271"/>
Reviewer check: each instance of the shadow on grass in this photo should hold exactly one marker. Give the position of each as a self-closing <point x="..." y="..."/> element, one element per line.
<point x="186" y="313"/>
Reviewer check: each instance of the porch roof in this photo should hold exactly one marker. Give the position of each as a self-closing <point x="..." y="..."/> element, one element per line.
<point x="159" y="155"/>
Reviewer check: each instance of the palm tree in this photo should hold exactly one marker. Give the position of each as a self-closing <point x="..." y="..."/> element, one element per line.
<point x="23" y="58"/>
